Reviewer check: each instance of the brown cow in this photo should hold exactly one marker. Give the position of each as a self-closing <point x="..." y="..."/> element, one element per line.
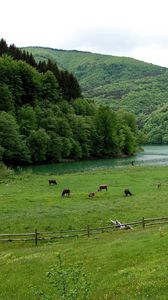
<point x="102" y="187"/>
<point x="66" y="192"/>
<point x="92" y="194"/>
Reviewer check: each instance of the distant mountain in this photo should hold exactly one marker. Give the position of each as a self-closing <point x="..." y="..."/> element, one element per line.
<point x="120" y="82"/>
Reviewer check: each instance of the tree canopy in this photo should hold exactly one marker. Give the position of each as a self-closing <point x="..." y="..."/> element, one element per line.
<point x="43" y="119"/>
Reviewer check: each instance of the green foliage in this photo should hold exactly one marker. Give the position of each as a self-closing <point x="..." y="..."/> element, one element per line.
<point x="55" y="146"/>
<point x="68" y="84"/>
<point x="84" y="107"/>
<point x="38" y="141"/>
<point x="9" y="75"/>
<point x="27" y="119"/>
<point x="50" y="90"/>
<point x="156" y="126"/>
<point x="5" y="172"/>
<point x="106" y="125"/>
<point x="6" y="99"/>
<point x="14" y="149"/>
<point x="30" y="84"/>
<point x="46" y="124"/>
<point x="127" y="128"/>
<point x="69" y="281"/>
<point x="119" y="82"/>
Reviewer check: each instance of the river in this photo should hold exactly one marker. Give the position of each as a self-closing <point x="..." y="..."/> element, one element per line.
<point x="152" y="155"/>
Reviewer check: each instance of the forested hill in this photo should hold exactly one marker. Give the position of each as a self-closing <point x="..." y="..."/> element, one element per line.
<point x="44" y="118"/>
<point x="119" y="82"/>
<point x="97" y="70"/>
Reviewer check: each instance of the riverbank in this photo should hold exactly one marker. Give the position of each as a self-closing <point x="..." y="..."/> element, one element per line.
<point x="152" y="155"/>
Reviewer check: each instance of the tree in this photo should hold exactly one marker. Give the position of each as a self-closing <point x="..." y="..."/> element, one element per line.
<point x="38" y="143"/>
<point x="66" y="147"/>
<point x="30" y="83"/>
<point x="9" y="75"/>
<point x="127" y="140"/>
<point x="69" y="85"/>
<point x="81" y="135"/>
<point x="3" y="47"/>
<point x="27" y="119"/>
<point x="127" y="118"/>
<point x="64" y="128"/>
<point x="66" y="108"/>
<point x="54" y="152"/>
<point x="42" y="66"/>
<point x="69" y="282"/>
<point x="76" y="150"/>
<point x="52" y="66"/>
<point x="84" y="107"/>
<point x="127" y="132"/>
<point x="106" y="126"/>
<point x="50" y="90"/>
<point x="6" y="99"/>
<point x="14" y="147"/>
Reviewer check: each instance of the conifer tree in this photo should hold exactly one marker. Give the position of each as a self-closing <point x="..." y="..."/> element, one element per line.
<point x="3" y="47"/>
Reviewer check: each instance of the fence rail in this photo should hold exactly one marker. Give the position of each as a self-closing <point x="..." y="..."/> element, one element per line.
<point x="88" y="231"/>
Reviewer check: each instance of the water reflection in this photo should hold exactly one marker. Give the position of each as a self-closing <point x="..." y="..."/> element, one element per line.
<point x="152" y="155"/>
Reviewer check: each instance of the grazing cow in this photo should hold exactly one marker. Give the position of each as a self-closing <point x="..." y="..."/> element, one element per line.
<point x="52" y="181"/>
<point x="127" y="192"/>
<point x="66" y="192"/>
<point x="102" y="187"/>
<point x="159" y="185"/>
<point x="91" y="195"/>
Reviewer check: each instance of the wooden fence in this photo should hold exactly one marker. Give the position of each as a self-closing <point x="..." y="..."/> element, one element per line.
<point x="88" y="231"/>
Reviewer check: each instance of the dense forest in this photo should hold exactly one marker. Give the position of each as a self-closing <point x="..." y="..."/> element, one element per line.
<point x="44" y="118"/>
<point x="120" y="83"/>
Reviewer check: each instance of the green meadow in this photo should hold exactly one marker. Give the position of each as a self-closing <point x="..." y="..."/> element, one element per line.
<point x="125" y="265"/>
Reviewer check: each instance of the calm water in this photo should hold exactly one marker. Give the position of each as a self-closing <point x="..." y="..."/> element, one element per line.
<point x="152" y="155"/>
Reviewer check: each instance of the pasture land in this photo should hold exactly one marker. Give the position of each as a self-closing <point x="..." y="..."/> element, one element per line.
<point x="122" y="265"/>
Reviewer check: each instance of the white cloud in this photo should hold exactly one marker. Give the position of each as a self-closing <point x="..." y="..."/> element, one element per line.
<point x="135" y="28"/>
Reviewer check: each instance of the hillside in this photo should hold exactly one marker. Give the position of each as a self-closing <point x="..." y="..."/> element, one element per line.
<point x="119" y="81"/>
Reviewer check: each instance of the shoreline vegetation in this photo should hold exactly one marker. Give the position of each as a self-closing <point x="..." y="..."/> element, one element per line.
<point x="45" y="118"/>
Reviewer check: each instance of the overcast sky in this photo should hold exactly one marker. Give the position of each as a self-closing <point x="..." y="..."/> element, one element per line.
<point x="132" y="28"/>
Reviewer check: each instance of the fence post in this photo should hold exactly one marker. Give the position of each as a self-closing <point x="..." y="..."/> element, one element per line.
<point x="36" y="237"/>
<point x="88" y="230"/>
<point x="143" y="223"/>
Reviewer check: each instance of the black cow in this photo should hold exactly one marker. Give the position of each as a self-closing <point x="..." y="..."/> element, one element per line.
<point x="52" y="181"/>
<point x="159" y="185"/>
<point x="66" y="192"/>
<point x="127" y="192"/>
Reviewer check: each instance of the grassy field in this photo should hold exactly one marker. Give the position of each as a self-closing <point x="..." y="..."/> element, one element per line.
<point x="123" y="265"/>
